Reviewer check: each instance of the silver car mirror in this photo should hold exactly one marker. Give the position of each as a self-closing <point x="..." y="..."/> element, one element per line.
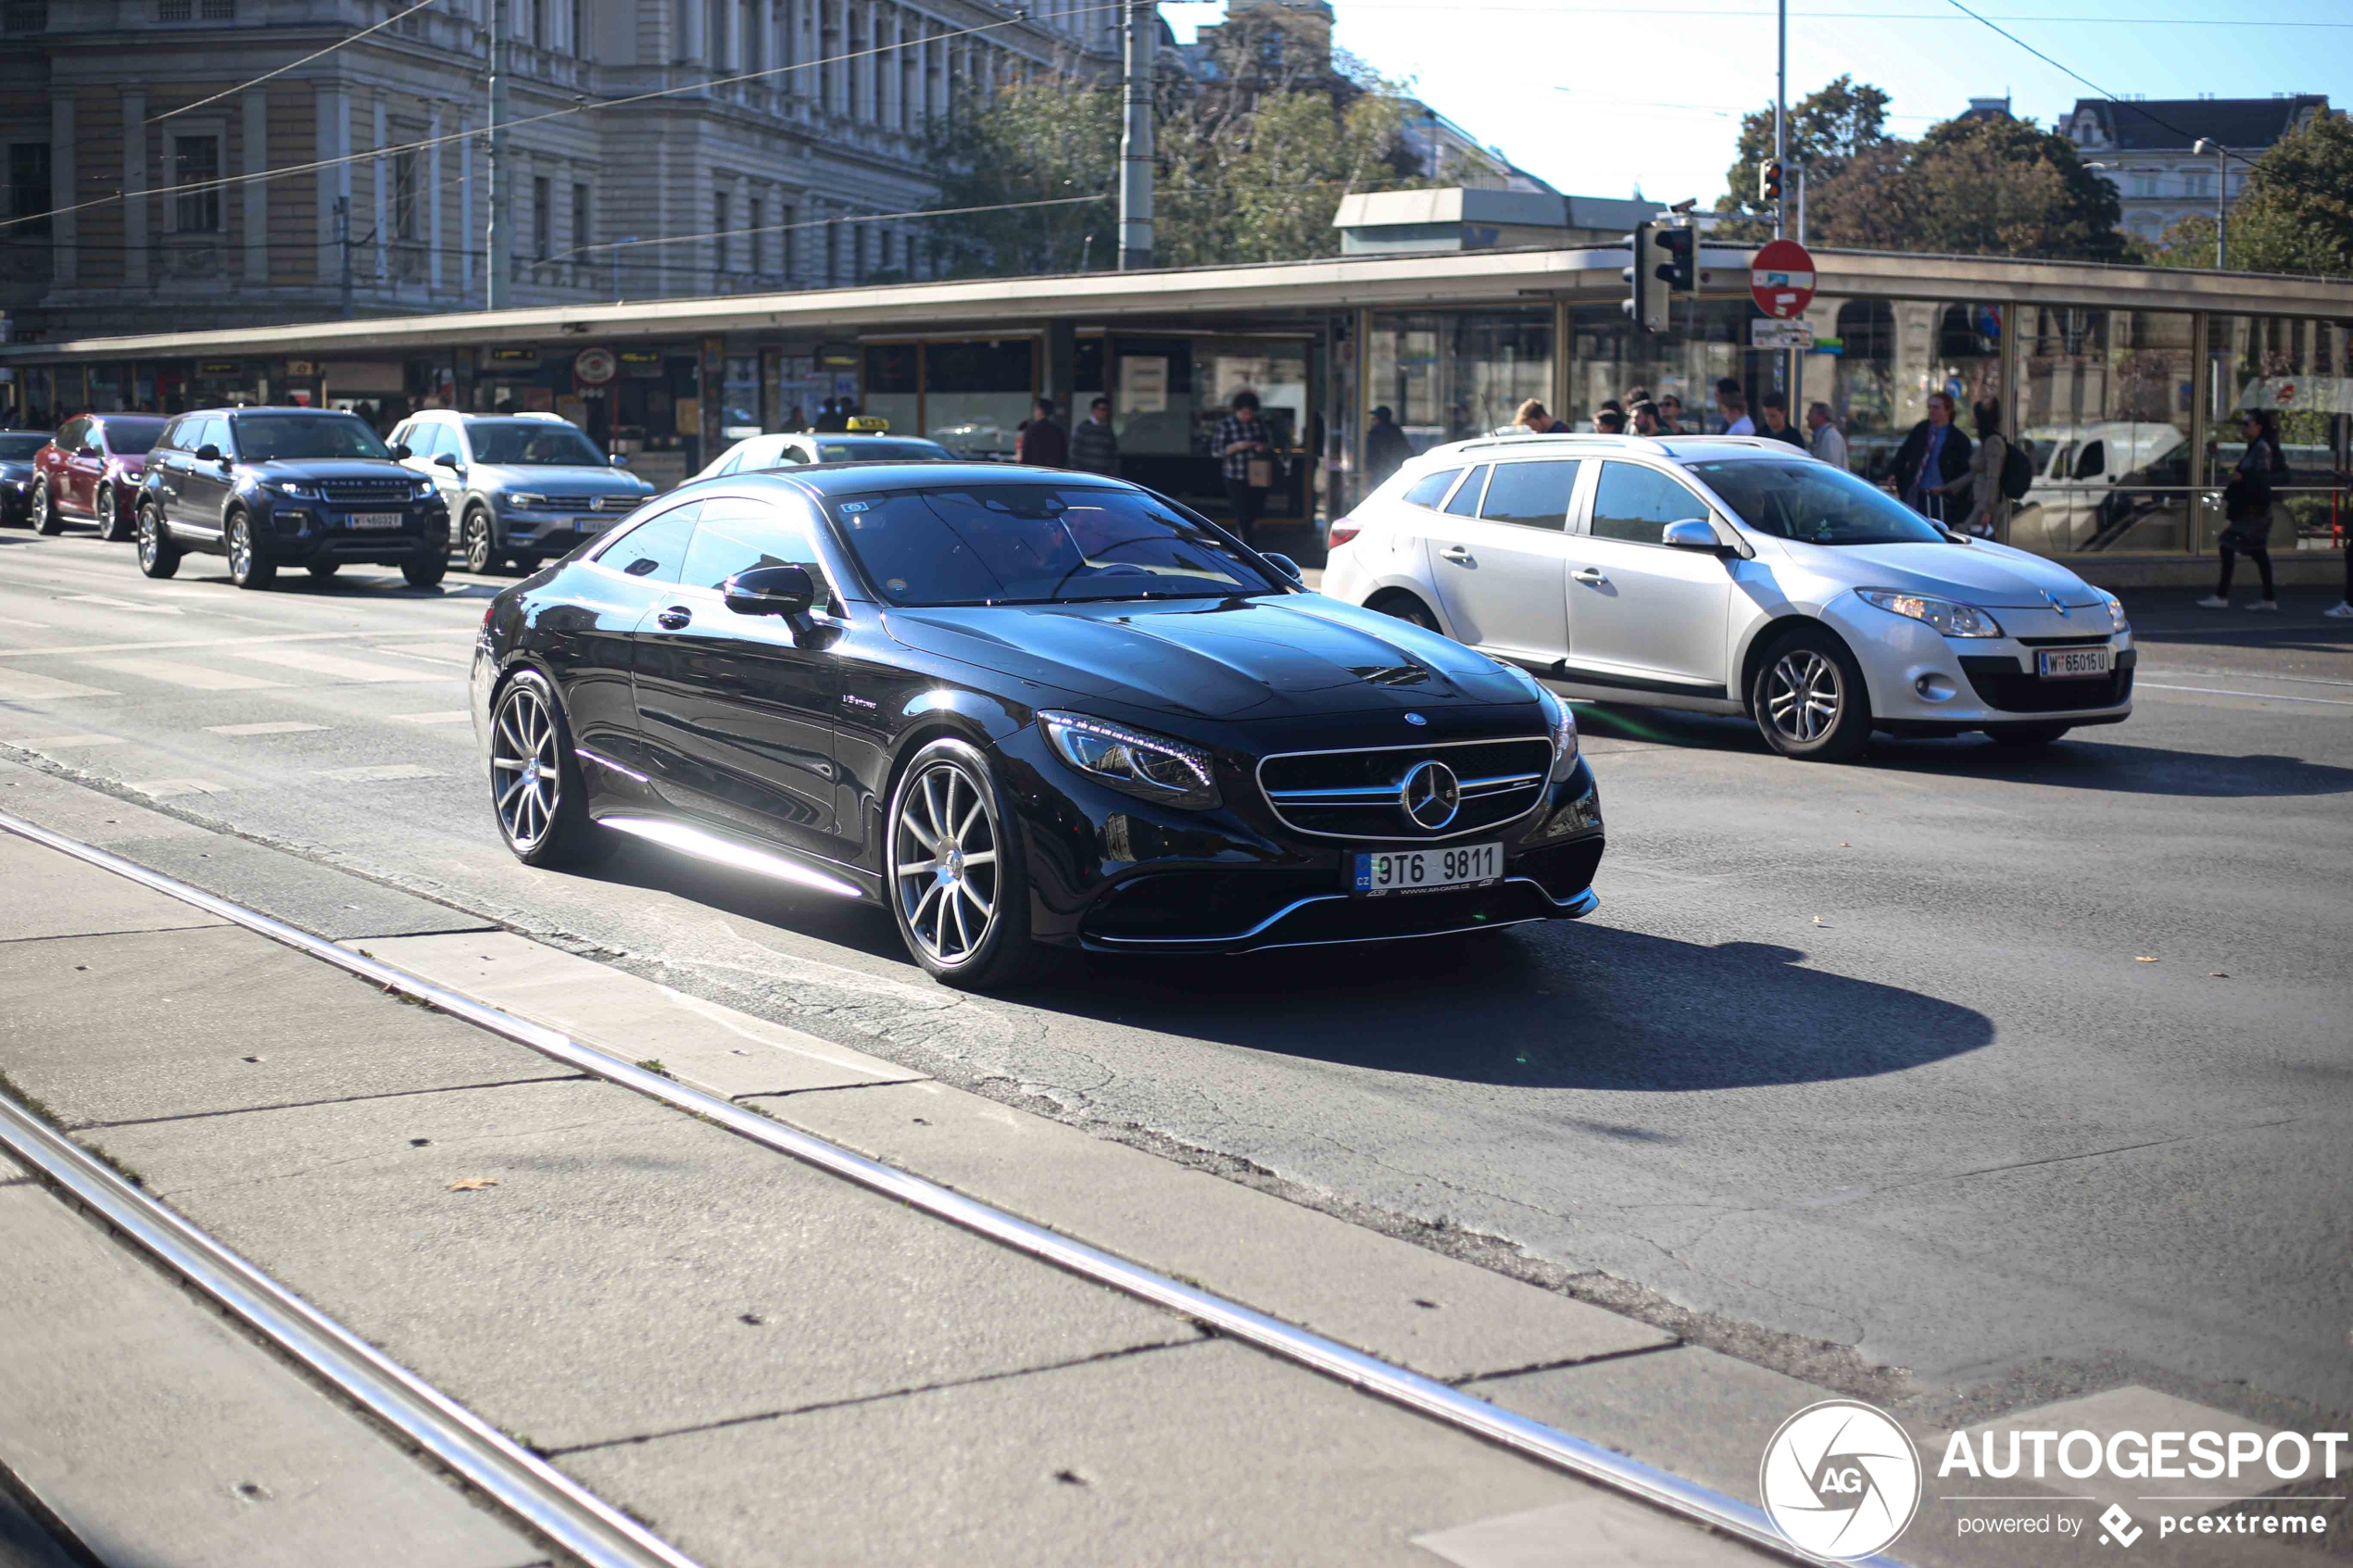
<point x="1691" y="533"/>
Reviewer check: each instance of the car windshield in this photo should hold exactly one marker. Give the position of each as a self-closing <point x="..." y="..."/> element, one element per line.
<point x="1036" y="543"/>
<point x="131" y="434"/>
<point x="277" y="438"/>
<point x="532" y="444"/>
<point x="879" y="451"/>
<point x="21" y="448"/>
<point x="1814" y="503"/>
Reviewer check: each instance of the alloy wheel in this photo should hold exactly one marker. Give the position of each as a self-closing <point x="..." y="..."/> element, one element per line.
<point x="1803" y="694"/>
<point x="43" y="510"/>
<point x="240" y="549"/>
<point x="109" y="519"/>
<point x="525" y="773"/>
<point x="476" y="543"/>
<point x="150" y="540"/>
<point x="944" y="862"/>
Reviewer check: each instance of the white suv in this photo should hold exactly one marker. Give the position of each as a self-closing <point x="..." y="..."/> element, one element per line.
<point x="520" y="487"/>
<point x="1733" y="574"/>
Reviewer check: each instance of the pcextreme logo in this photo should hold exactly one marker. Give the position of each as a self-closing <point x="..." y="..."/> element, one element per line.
<point x="1841" y="1480"/>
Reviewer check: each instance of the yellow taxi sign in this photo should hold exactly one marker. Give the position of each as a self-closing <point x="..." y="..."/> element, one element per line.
<point x="868" y="424"/>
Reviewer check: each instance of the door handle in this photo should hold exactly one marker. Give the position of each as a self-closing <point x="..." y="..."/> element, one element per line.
<point x="1456" y="552"/>
<point x="675" y="619"/>
<point x="1589" y="574"/>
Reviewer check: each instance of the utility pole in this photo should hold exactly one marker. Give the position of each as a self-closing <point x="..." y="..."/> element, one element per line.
<point x="626" y="240"/>
<point x="343" y="237"/>
<point x="1780" y="113"/>
<point x="2221" y="199"/>
<point x="495" y="274"/>
<point x="1136" y="139"/>
<point x="1801" y="203"/>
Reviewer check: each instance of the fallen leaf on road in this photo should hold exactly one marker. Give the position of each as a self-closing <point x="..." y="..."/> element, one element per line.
<point x="472" y="1183"/>
<point x="2144" y="960"/>
<point x="1820" y="921"/>
<point x="2217" y="974"/>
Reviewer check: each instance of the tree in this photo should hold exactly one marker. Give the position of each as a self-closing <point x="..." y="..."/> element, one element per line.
<point x="1035" y="142"/>
<point x="2295" y="216"/>
<point x="1971" y="187"/>
<point x="1827" y="131"/>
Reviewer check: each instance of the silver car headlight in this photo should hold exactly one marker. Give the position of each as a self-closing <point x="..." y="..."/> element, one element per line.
<point x="1952" y="619"/>
<point x="1563" y="723"/>
<point x="524" y="500"/>
<point x="1135" y="762"/>
<point x="2116" y="620"/>
<point x="299" y="489"/>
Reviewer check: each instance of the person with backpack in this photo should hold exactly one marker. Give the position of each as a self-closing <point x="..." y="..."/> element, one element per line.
<point x="1989" y="476"/>
<point x="2247" y="513"/>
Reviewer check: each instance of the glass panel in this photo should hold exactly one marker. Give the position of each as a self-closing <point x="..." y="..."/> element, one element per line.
<point x="1532" y="495"/>
<point x="1276" y="370"/>
<point x="1431" y="489"/>
<point x="975" y="395"/>
<point x="2104" y="411"/>
<point x="655" y="548"/>
<point x="892" y="388"/>
<point x="1466" y="501"/>
<point x="1613" y="359"/>
<point x="735" y="534"/>
<point x="1636" y="504"/>
<point x="1451" y="375"/>
<point x="1875" y="361"/>
<point x="2298" y="375"/>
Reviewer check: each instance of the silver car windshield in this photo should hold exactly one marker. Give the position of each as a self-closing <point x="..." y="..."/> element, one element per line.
<point x="528" y="443"/>
<point x="1814" y="503"/>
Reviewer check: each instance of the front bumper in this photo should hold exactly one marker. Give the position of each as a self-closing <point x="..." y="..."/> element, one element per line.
<point x="302" y="533"/>
<point x="1924" y="682"/>
<point x="538" y="533"/>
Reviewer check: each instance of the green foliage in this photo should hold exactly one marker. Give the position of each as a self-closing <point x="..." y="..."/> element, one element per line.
<point x="1032" y="142"/>
<point x="1827" y="131"/>
<point x="2296" y="216"/>
<point x="1971" y="187"/>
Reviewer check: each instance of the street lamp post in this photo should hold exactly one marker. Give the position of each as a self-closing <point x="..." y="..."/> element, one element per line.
<point x="2221" y="199"/>
<point x="494" y="264"/>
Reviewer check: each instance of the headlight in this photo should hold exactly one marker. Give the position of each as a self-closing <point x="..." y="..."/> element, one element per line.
<point x="525" y="499"/>
<point x="426" y="490"/>
<point x="2116" y="620"/>
<point x="1953" y="620"/>
<point x="1563" y="724"/>
<point x="294" y="488"/>
<point x="1134" y="761"/>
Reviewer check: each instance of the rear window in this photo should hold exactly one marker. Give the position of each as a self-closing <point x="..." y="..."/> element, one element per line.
<point x="1431" y="489"/>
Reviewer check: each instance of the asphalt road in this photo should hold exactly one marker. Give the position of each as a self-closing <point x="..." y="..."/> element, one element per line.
<point x="2017" y="1075"/>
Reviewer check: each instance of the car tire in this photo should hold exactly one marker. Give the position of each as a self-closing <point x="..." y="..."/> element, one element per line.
<point x="478" y="542"/>
<point x="1405" y="608"/>
<point x="44" y="511"/>
<point x="425" y="571"/>
<point x="159" y="557"/>
<point x="952" y="855"/>
<point x="2026" y="738"/>
<point x="1809" y="699"/>
<point x="248" y="567"/>
<point x="536" y="793"/>
<point x="112" y="525"/>
<point x="324" y="571"/>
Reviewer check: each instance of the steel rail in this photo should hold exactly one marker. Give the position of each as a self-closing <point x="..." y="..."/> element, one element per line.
<point x="1425" y="1396"/>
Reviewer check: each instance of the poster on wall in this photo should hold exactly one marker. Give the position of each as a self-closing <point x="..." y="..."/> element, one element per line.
<point x="1144" y="383"/>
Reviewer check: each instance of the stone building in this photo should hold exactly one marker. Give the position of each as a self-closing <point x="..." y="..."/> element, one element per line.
<point x="2141" y="147"/>
<point x="159" y="178"/>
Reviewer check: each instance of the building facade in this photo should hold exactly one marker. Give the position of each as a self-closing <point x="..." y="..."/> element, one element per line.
<point x="156" y="180"/>
<point x="2142" y="148"/>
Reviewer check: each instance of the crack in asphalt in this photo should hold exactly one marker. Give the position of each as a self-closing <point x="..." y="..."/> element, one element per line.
<point x="332" y="1100"/>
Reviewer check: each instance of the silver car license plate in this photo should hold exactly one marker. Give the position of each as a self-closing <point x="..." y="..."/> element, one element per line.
<point x="1378" y="873"/>
<point x="376" y="520"/>
<point x="2065" y="663"/>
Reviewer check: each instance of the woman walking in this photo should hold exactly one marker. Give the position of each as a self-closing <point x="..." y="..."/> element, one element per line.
<point x="2246" y="514"/>
<point x="1989" y="515"/>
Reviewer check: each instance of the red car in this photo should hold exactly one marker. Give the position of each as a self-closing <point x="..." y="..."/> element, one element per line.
<point x="91" y="469"/>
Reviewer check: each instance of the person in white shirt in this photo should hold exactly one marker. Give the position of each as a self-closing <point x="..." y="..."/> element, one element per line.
<point x="1829" y="444"/>
<point x="1733" y="403"/>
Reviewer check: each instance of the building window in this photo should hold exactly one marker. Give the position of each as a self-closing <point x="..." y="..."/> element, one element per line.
<point x="2145" y="184"/>
<point x="539" y="23"/>
<point x="29" y="194"/>
<point x="174" y="10"/>
<point x="755" y="242"/>
<point x="403" y="195"/>
<point x="2200" y="183"/>
<point x="580" y="231"/>
<point x="216" y="10"/>
<point x="719" y="235"/>
<point x="542" y="218"/>
<point x="195" y="170"/>
<point x="833" y="254"/>
<point x="789" y="251"/>
<point x="579" y="48"/>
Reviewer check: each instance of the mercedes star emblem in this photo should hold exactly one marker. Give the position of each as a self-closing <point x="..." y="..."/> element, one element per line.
<point x="1430" y="795"/>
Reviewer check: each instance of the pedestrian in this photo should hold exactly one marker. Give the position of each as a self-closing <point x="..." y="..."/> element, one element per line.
<point x="1609" y="421"/>
<point x="794" y="418"/>
<point x="1733" y="403"/>
<point x="1040" y="442"/>
<point x="1246" y="456"/>
<point x="1531" y="420"/>
<point x="1933" y="464"/>
<point x="1645" y="415"/>
<point x="1386" y="447"/>
<point x="1777" y="423"/>
<point x="1094" y="446"/>
<point x="1989" y="509"/>
<point x="2246" y="513"/>
<point x="831" y="421"/>
<point x="1829" y="444"/>
<point x="1670" y="414"/>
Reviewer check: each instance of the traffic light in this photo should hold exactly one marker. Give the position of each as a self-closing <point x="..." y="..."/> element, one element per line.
<point x="1646" y="301"/>
<point x="1679" y="249"/>
<point x="1768" y="180"/>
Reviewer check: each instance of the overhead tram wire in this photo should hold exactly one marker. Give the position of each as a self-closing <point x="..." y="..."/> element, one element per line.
<point x="316" y="54"/>
<point x="264" y="176"/>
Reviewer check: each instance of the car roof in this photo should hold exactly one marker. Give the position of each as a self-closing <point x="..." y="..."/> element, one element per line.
<point x="273" y="410"/>
<point x="837" y="478"/>
<point x="1584" y="444"/>
<point x="852" y="437"/>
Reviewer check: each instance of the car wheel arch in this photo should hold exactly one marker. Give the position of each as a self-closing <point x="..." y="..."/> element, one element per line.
<point x="1761" y="639"/>
<point x="1394" y="592"/>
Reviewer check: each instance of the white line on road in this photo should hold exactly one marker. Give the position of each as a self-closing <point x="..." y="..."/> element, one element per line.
<point x="150" y="608"/>
<point x="184" y="643"/>
<point x="164" y="789"/>
<point x="426" y="658"/>
<point x="381" y="772"/>
<point x="196" y="677"/>
<point x="2262" y="696"/>
<point x="447" y="716"/>
<point x="311" y="662"/>
<point x="39" y="741"/>
<point x="23" y="686"/>
<point x="2226" y="674"/>
<point x="270" y="727"/>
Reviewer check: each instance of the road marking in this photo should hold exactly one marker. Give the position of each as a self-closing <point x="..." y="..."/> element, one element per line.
<point x="381" y="772"/>
<point x="23" y="686"/>
<point x="182" y="644"/>
<point x="2260" y="697"/>
<point x="196" y="677"/>
<point x="427" y="658"/>
<point x="447" y="716"/>
<point x="271" y="727"/>
<point x="2226" y="674"/>
<point x="315" y="663"/>
<point x="38" y="741"/>
<point x="151" y="608"/>
<point x="164" y="789"/>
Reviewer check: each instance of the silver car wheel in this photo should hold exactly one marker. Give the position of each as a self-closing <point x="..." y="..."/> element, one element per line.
<point x="240" y="549"/>
<point x="944" y="861"/>
<point x="525" y="773"/>
<point x="1803" y="694"/>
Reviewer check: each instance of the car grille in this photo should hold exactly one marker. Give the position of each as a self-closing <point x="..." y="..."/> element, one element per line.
<point x="1359" y="794"/>
<point x="366" y="490"/>
<point x="2001" y="682"/>
<point x="591" y="503"/>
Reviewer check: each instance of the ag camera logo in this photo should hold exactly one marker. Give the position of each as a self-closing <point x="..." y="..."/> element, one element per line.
<point x="1841" y="1480"/>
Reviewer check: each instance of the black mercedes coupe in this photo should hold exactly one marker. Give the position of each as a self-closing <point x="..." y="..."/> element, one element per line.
<point x="1018" y="706"/>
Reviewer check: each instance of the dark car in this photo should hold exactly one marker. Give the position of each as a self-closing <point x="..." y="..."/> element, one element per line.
<point x="1016" y="706"/>
<point x="92" y="469"/>
<point x="272" y="487"/>
<point x="19" y="451"/>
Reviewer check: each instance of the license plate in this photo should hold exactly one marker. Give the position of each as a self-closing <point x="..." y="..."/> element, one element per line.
<point x="2062" y="663"/>
<point x="377" y="520"/>
<point x="1375" y="873"/>
<point x="589" y="524"/>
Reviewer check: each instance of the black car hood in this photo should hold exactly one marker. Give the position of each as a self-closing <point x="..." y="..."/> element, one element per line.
<point x="1258" y="657"/>
<point x="331" y="468"/>
<point x="11" y="467"/>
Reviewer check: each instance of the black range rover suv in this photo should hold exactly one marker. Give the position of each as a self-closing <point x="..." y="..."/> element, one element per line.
<point x="267" y="487"/>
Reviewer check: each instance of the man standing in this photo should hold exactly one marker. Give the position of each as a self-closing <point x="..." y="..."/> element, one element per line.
<point x="1386" y="447"/>
<point x="1245" y="454"/>
<point x="1829" y="444"/>
<point x="1733" y="403"/>
<point x="1777" y="423"/>
<point x="1670" y="414"/>
<point x="1094" y="447"/>
<point x="1042" y="444"/>
<point x="1646" y="421"/>
<point x="1933" y="461"/>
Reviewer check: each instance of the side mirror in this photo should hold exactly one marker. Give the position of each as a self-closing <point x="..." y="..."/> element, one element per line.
<point x="1284" y="565"/>
<point x="400" y="453"/>
<point x="621" y="459"/>
<point x="1691" y="533"/>
<point x="445" y="460"/>
<point x="771" y="590"/>
<point x="208" y="452"/>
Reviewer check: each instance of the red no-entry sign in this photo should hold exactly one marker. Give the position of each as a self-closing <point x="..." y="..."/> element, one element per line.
<point x="1782" y="278"/>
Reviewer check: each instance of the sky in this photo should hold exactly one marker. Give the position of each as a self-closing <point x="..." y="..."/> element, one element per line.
<point x="1602" y="101"/>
